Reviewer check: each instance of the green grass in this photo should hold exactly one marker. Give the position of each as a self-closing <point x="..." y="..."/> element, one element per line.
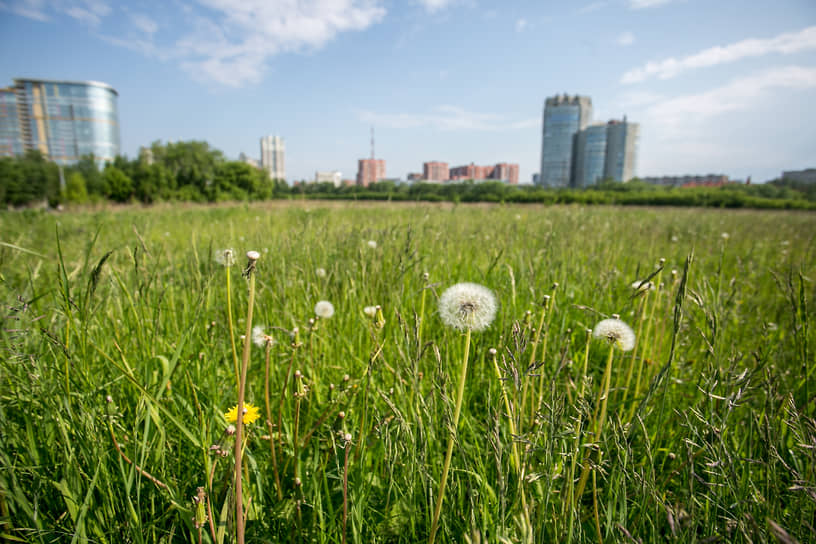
<point x="117" y="369"/>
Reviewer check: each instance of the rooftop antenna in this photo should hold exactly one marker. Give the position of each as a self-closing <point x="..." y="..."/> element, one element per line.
<point x="372" y="142"/>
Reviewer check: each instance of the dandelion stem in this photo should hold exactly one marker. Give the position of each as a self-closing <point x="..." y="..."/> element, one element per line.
<point x="270" y="426"/>
<point x="345" y="490"/>
<point x="239" y="491"/>
<point x="451" y="440"/>
<point x="603" y="396"/>
<point x="231" y="330"/>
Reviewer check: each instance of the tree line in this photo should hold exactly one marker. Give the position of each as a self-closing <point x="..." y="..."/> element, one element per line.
<point x="193" y="171"/>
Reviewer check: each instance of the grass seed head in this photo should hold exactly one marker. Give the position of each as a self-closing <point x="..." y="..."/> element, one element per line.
<point x="467" y="306"/>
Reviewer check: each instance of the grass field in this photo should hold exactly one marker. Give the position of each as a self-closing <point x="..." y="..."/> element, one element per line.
<point x="118" y="368"/>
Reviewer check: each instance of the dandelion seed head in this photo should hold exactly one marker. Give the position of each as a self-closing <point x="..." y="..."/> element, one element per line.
<point x="230" y="430"/>
<point x="467" y="306"/>
<point x="372" y="244"/>
<point x="347" y="437"/>
<point x="616" y="332"/>
<point x="324" y="309"/>
<point x="492" y="352"/>
<point x="341" y="415"/>
<point x="725" y="236"/>
<point x="320" y="272"/>
<point x="225" y="257"/>
<point x="253" y="255"/>
<point x="260" y="338"/>
<point x="370" y="311"/>
<point x="109" y="399"/>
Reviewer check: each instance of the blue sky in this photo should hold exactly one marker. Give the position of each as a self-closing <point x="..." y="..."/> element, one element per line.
<point x="722" y="86"/>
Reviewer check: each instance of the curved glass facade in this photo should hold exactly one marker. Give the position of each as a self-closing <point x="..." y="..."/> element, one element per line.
<point x="66" y="120"/>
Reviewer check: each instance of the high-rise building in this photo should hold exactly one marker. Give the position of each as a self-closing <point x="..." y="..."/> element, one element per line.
<point x="435" y="171"/>
<point x="621" y="150"/>
<point x="334" y="177"/>
<point x="506" y="172"/>
<point x="564" y="116"/>
<point x="273" y="150"/>
<point x="590" y="155"/>
<point x="370" y="171"/>
<point x="64" y="120"/>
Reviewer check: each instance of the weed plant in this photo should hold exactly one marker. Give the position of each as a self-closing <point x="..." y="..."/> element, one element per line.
<point x="122" y="357"/>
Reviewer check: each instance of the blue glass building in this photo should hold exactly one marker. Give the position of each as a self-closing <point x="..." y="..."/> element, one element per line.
<point x="64" y="120"/>
<point x="621" y="150"/>
<point x="590" y="155"/>
<point x="564" y="116"/>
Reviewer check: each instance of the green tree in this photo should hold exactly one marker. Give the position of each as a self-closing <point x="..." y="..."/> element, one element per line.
<point x="75" y="189"/>
<point x="118" y="186"/>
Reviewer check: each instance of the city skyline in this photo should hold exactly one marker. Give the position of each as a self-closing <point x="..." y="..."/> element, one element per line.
<point x="722" y="87"/>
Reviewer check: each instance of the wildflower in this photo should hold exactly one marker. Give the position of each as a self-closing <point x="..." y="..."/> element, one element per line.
<point x="251" y="414"/>
<point x="320" y="272"/>
<point x="616" y="332"/>
<point x="725" y="236"/>
<point x="370" y="311"/>
<point x="253" y="255"/>
<point x="641" y="285"/>
<point x="225" y="257"/>
<point x="260" y="338"/>
<point x="324" y="309"/>
<point x="372" y="244"/>
<point x="467" y="306"/>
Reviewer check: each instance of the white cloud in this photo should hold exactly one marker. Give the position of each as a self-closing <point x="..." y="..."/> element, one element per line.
<point x="709" y="130"/>
<point x="235" y="49"/>
<point x="32" y="9"/>
<point x="787" y="43"/>
<point x="230" y="41"/>
<point x="144" y="23"/>
<point x="521" y="24"/>
<point x="432" y="6"/>
<point x="626" y="38"/>
<point x="89" y="12"/>
<point x="642" y="4"/>
<point x="594" y="6"/>
<point x="447" y="117"/>
<point x="682" y="114"/>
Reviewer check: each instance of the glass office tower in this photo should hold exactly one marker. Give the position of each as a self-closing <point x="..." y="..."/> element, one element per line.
<point x="64" y="120"/>
<point x="590" y="155"/>
<point x="564" y="116"/>
<point x="621" y="150"/>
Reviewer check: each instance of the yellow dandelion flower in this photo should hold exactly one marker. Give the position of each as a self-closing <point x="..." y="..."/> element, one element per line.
<point x="251" y="414"/>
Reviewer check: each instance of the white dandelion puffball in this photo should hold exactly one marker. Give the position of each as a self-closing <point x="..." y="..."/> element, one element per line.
<point x="615" y="332"/>
<point x="370" y="311"/>
<point x="253" y="255"/>
<point x="467" y="306"/>
<point x="372" y="244"/>
<point x="259" y="337"/>
<point x="225" y="257"/>
<point x="320" y="272"/>
<point x="324" y="309"/>
<point x="641" y="285"/>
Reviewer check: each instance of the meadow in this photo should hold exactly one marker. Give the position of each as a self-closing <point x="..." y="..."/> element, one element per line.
<point x="124" y="334"/>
